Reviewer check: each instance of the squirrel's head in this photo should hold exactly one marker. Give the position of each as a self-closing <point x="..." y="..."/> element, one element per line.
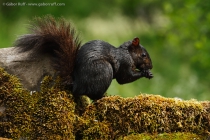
<point x="140" y="55"/>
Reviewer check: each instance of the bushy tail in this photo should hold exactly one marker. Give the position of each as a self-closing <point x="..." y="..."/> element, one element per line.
<point x="56" y="38"/>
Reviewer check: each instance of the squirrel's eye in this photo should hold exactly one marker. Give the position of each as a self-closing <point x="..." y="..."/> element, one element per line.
<point x="143" y="55"/>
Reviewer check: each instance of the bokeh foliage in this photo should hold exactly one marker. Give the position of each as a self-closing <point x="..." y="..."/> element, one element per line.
<point x="176" y="34"/>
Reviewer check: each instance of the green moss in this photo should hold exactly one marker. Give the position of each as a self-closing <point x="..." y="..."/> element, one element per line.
<point x="150" y="114"/>
<point x="48" y="114"/>
<point x="164" y="136"/>
<point x="53" y="113"/>
<point x="93" y="130"/>
<point x="16" y="118"/>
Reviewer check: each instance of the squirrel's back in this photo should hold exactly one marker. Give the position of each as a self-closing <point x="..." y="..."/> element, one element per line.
<point x="94" y="69"/>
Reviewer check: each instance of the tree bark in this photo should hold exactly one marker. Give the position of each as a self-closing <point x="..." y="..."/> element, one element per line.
<point x="29" y="69"/>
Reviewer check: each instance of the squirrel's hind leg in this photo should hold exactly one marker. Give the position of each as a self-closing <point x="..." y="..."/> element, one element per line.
<point x="94" y="80"/>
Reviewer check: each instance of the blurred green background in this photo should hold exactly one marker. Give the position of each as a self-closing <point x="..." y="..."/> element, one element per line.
<point x="176" y="34"/>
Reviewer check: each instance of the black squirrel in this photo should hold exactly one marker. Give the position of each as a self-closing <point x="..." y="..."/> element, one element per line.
<point x="87" y="69"/>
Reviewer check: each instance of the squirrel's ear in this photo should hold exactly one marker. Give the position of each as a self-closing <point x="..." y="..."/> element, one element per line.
<point x="135" y="41"/>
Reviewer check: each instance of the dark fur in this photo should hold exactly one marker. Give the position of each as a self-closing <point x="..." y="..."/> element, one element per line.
<point x="91" y="67"/>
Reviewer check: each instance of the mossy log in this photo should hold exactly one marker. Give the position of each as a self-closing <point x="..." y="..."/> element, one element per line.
<point x="53" y="114"/>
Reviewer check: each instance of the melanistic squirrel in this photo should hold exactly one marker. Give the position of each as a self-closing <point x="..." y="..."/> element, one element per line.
<point x="87" y="69"/>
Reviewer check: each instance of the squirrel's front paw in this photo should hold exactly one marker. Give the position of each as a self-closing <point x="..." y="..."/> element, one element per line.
<point x="150" y="75"/>
<point x="147" y="73"/>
